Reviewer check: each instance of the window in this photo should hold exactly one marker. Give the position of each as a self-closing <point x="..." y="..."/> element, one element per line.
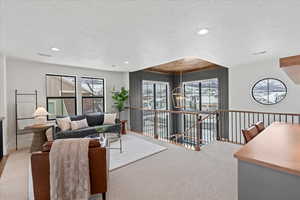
<point x="269" y="91"/>
<point x="155" y="96"/>
<point x="92" y="91"/>
<point x="201" y="95"/>
<point x="61" y="95"/>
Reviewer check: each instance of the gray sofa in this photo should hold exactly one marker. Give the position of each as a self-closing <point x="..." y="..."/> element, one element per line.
<point x="94" y="120"/>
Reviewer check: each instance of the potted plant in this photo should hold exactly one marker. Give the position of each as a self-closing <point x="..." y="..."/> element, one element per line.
<point x="120" y="98"/>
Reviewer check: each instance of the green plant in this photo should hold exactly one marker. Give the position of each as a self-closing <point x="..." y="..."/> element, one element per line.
<point x="120" y="98"/>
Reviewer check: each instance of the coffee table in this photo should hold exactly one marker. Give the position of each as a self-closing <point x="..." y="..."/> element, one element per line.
<point x="113" y="137"/>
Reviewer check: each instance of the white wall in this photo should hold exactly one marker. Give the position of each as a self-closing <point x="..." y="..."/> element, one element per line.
<point x="28" y="76"/>
<point x="242" y="78"/>
<point x="3" y="108"/>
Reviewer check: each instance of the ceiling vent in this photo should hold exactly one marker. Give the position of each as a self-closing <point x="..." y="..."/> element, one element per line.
<point x="44" y="55"/>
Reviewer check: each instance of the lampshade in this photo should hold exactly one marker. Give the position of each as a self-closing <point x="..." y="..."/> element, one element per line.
<point x="40" y="111"/>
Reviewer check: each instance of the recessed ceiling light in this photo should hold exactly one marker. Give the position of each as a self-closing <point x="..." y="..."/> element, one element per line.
<point x="202" y="31"/>
<point x="259" y="53"/>
<point x="126" y="62"/>
<point x="55" y="49"/>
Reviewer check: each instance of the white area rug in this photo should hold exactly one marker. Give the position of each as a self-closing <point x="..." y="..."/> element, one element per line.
<point x="134" y="149"/>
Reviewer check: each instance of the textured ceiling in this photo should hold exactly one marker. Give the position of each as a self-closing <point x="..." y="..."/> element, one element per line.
<point x="102" y="33"/>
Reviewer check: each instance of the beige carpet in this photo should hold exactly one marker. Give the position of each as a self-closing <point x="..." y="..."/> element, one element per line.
<point x="134" y="149"/>
<point x="174" y="174"/>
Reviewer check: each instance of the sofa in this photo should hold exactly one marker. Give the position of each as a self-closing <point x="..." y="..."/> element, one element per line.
<point x="94" y="120"/>
<point x="98" y="164"/>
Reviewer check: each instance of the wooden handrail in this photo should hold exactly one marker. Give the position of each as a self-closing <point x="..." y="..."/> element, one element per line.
<point x="258" y="112"/>
<point x="214" y="112"/>
<point x="172" y="111"/>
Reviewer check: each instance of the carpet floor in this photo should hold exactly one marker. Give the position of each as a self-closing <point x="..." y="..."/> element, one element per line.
<point x="173" y="174"/>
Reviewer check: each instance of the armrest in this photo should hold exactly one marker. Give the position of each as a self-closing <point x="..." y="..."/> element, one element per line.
<point x="40" y="175"/>
<point x="40" y="166"/>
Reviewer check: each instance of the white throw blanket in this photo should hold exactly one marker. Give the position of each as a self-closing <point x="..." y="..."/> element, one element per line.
<point x="69" y="170"/>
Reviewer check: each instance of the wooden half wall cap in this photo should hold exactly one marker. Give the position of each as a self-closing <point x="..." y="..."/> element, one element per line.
<point x="290" y="61"/>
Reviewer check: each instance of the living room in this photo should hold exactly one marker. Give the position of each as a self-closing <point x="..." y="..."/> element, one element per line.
<point x="168" y="94"/>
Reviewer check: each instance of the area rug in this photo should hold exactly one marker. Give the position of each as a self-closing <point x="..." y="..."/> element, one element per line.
<point x="134" y="149"/>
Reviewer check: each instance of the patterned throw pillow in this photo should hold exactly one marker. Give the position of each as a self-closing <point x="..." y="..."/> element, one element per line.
<point x="79" y="124"/>
<point x="110" y="118"/>
<point x="64" y="123"/>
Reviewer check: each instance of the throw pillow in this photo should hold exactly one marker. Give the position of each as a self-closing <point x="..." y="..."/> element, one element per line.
<point x="64" y="123"/>
<point x="110" y="118"/>
<point x="79" y="124"/>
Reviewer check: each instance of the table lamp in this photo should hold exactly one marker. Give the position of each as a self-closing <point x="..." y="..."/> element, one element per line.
<point x="40" y="115"/>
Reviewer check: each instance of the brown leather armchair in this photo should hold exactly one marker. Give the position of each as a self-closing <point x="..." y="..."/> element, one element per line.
<point x="98" y="163"/>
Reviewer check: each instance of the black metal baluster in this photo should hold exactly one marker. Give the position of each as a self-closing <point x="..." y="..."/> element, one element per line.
<point x="279" y="117"/>
<point x="236" y="127"/>
<point x="248" y="119"/>
<point x="232" y="128"/>
<point x="240" y="127"/>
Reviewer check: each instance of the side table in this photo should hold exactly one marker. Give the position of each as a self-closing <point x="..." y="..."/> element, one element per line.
<point x="123" y="126"/>
<point x="39" y="135"/>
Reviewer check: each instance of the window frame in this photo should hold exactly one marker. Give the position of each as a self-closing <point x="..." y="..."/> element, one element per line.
<point x="92" y="97"/>
<point x="61" y="97"/>
<point x="154" y="87"/>
<point x="268" y="79"/>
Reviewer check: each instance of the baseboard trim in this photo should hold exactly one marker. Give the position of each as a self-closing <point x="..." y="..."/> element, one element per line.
<point x="2" y="164"/>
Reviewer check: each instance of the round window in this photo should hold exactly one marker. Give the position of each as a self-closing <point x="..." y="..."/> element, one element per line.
<point x="269" y="91"/>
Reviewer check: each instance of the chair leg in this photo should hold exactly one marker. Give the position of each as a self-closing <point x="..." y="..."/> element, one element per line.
<point x="104" y="196"/>
<point x="121" y="149"/>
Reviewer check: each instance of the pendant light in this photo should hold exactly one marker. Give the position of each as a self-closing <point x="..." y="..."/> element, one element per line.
<point x="178" y="95"/>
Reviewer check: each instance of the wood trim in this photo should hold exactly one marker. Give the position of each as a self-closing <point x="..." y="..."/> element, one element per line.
<point x="171" y="111"/>
<point x="184" y="65"/>
<point x="254" y="112"/>
<point x="2" y="164"/>
<point x="290" y="61"/>
<point x="213" y="66"/>
<point x="217" y="111"/>
<point x="277" y="147"/>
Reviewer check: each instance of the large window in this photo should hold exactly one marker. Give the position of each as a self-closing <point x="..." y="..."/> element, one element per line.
<point x="92" y="92"/>
<point x="201" y="95"/>
<point x="61" y="95"/>
<point x="155" y="96"/>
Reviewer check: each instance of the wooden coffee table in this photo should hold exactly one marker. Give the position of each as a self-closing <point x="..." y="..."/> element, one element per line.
<point x="39" y="135"/>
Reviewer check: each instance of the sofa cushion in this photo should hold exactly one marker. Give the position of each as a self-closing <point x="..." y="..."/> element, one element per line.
<point x="64" y="123"/>
<point x="95" y="119"/>
<point x="79" y="133"/>
<point x="110" y="118"/>
<point x="77" y="117"/>
<point x="79" y="124"/>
